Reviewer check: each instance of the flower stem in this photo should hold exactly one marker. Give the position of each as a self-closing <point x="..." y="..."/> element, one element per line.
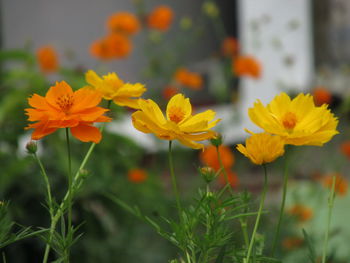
<point x="46" y="179"/>
<point x="330" y="208"/>
<point x="173" y="179"/>
<point x="70" y="179"/>
<point x="284" y="194"/>
<point x="252" y="240"/>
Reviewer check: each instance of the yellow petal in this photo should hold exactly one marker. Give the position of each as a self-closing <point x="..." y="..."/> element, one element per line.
<point x="180" y="103"/>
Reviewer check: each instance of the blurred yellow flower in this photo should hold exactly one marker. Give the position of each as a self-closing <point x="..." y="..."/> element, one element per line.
<point x="298" y="121"/>
<point x="179" y="123"/>
<point x="113" y="88"/>
<point x="262" y="148"/>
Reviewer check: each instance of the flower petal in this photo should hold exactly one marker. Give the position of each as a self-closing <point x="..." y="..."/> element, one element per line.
<point x="86" y="133"/>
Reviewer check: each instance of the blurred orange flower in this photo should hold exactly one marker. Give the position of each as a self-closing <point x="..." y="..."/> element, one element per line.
<point x="341" y="184"/>
<point x="210" y="157"/>
<point x="160" y="18"/>
<point x="301" y="212"/>
<point x="321" y="96"/>
<point x="189" y="79"/>
<point x="291" y="243"/>
<point x="169" y="91"/>
<point x="111" y="47"/>
<point x="246" y="66"/>
<point x="123" y="22"/>
<point x="231" y="176"/>
<point x="47" y="59"/>
<point x="229" y="47"/>
<point x="64" y="108"/>
<point x="137" y="175"/>
<point x="345" y="148"/>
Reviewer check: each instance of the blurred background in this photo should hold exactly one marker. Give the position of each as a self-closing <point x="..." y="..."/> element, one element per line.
<point x="224" y="55"/>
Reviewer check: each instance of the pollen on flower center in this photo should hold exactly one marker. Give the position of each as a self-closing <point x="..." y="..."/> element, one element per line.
<point x="176" y="114"/>
<point x="289" y="120"/>
<point x="65" y="102"/>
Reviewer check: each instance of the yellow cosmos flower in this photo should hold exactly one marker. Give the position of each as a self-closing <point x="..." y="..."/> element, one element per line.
<point x="113" y="88"/>
<point x="178" y="124"/>
<point x="262" y="148"/>
<point x="298" y="121"/>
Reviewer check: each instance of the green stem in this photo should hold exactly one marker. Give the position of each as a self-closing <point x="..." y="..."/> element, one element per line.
<point x="284" y="194"/>
<point x="330" y="208"/>
<point x="173" y="179"/>
<point x="46" y="179"/>
<point x="60" y="210"/>
<point x="69" y="232"/>
<point x="246" y="260"/>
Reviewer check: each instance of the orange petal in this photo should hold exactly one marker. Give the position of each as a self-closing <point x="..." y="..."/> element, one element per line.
<point x="85" y="98"/>
<point x="59" y="90"/>
<point x="40" y="130"/>
<point x="86" y="133"/>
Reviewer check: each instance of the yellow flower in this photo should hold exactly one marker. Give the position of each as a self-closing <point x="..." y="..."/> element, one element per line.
<point x="262" y="148"/>
<point x="179" y="123"/>
<point x="113" y="88"/>
<point x="297" y="121"/>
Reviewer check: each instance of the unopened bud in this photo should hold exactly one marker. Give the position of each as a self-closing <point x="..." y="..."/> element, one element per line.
<point x="217" y="140"/>
<point x="186" y="23"/>
<point x="32" y="147"/>
<point x="210" y="9"/>
<point x="207" y="173"/>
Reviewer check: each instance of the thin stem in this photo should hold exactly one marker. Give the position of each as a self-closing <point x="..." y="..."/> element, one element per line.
<point x="46" y="179"/>
<point x="246" y="260"/>
<point x="284" y="194"/>
<point x="330" y="208"/>
<point x="173" y="179"/>
<point x="70" y="179"/>
<point x="223" y="169"/>
<point x="60" y="210"/>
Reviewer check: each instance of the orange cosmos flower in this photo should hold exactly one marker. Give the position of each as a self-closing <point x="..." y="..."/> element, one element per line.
<point x="321" y="96"/>
<point x="160" y="18"/>
<point x="345" y="148"/>
<point x="210" y="157"/>
<point x="231" y="176"/>
<point x="229" y="47"/>
<point x="301" y="212"/>
<point x="47" y="58"/>
<point x="341" y="184"/>
<point x="63" y="108"/>
<point x="169" y="91"/>
<point x="189" y="79"/>
<point x="137" y="175"/>
<point x="123" y="22"/>
<point x="113" y="46"/>
<point x="291" y="243"/>
<point x="246" y="66"/>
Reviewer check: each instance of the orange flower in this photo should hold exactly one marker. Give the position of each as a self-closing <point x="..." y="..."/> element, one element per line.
<point x="160" y="18"/>
<point x="210" y="157"/>
<point x="231" y="176"/>
<point x="137" y="175"/>
<point x="111" y="47"/>
<point x="302" y="213"/>
<point x="63" y="108"/>
<point x="246" y="66"/>
<point x="229" y="47"/>
<point x="47" y="58"/>
<point x="291" y="243"/>
<point x="169" y="91"/>
<point x="341" y="184"/>
<point x="345" y="148"/>
<point x="321" y="96"/>
<point x="189" y="79"/>
<point x="123" y="22"/>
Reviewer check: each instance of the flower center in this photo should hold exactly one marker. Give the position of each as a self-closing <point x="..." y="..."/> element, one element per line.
<point x="289" y="120"/>
<point x="65" y="102"/>
<point x="176" y="114"/>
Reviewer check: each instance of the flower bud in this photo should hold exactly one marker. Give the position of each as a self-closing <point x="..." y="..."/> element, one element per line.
<point x="207" y="173"/>
<point x="32" y="147"/>
<point x="210" y="9"/>
<point x="186" y="23"/>
<point x="217" y="140"/>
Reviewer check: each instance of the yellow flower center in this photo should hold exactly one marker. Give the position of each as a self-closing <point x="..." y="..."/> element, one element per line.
<point x="289" y="120"/>
<point x="65" y="102"/>
<point x="176" y="114"/>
